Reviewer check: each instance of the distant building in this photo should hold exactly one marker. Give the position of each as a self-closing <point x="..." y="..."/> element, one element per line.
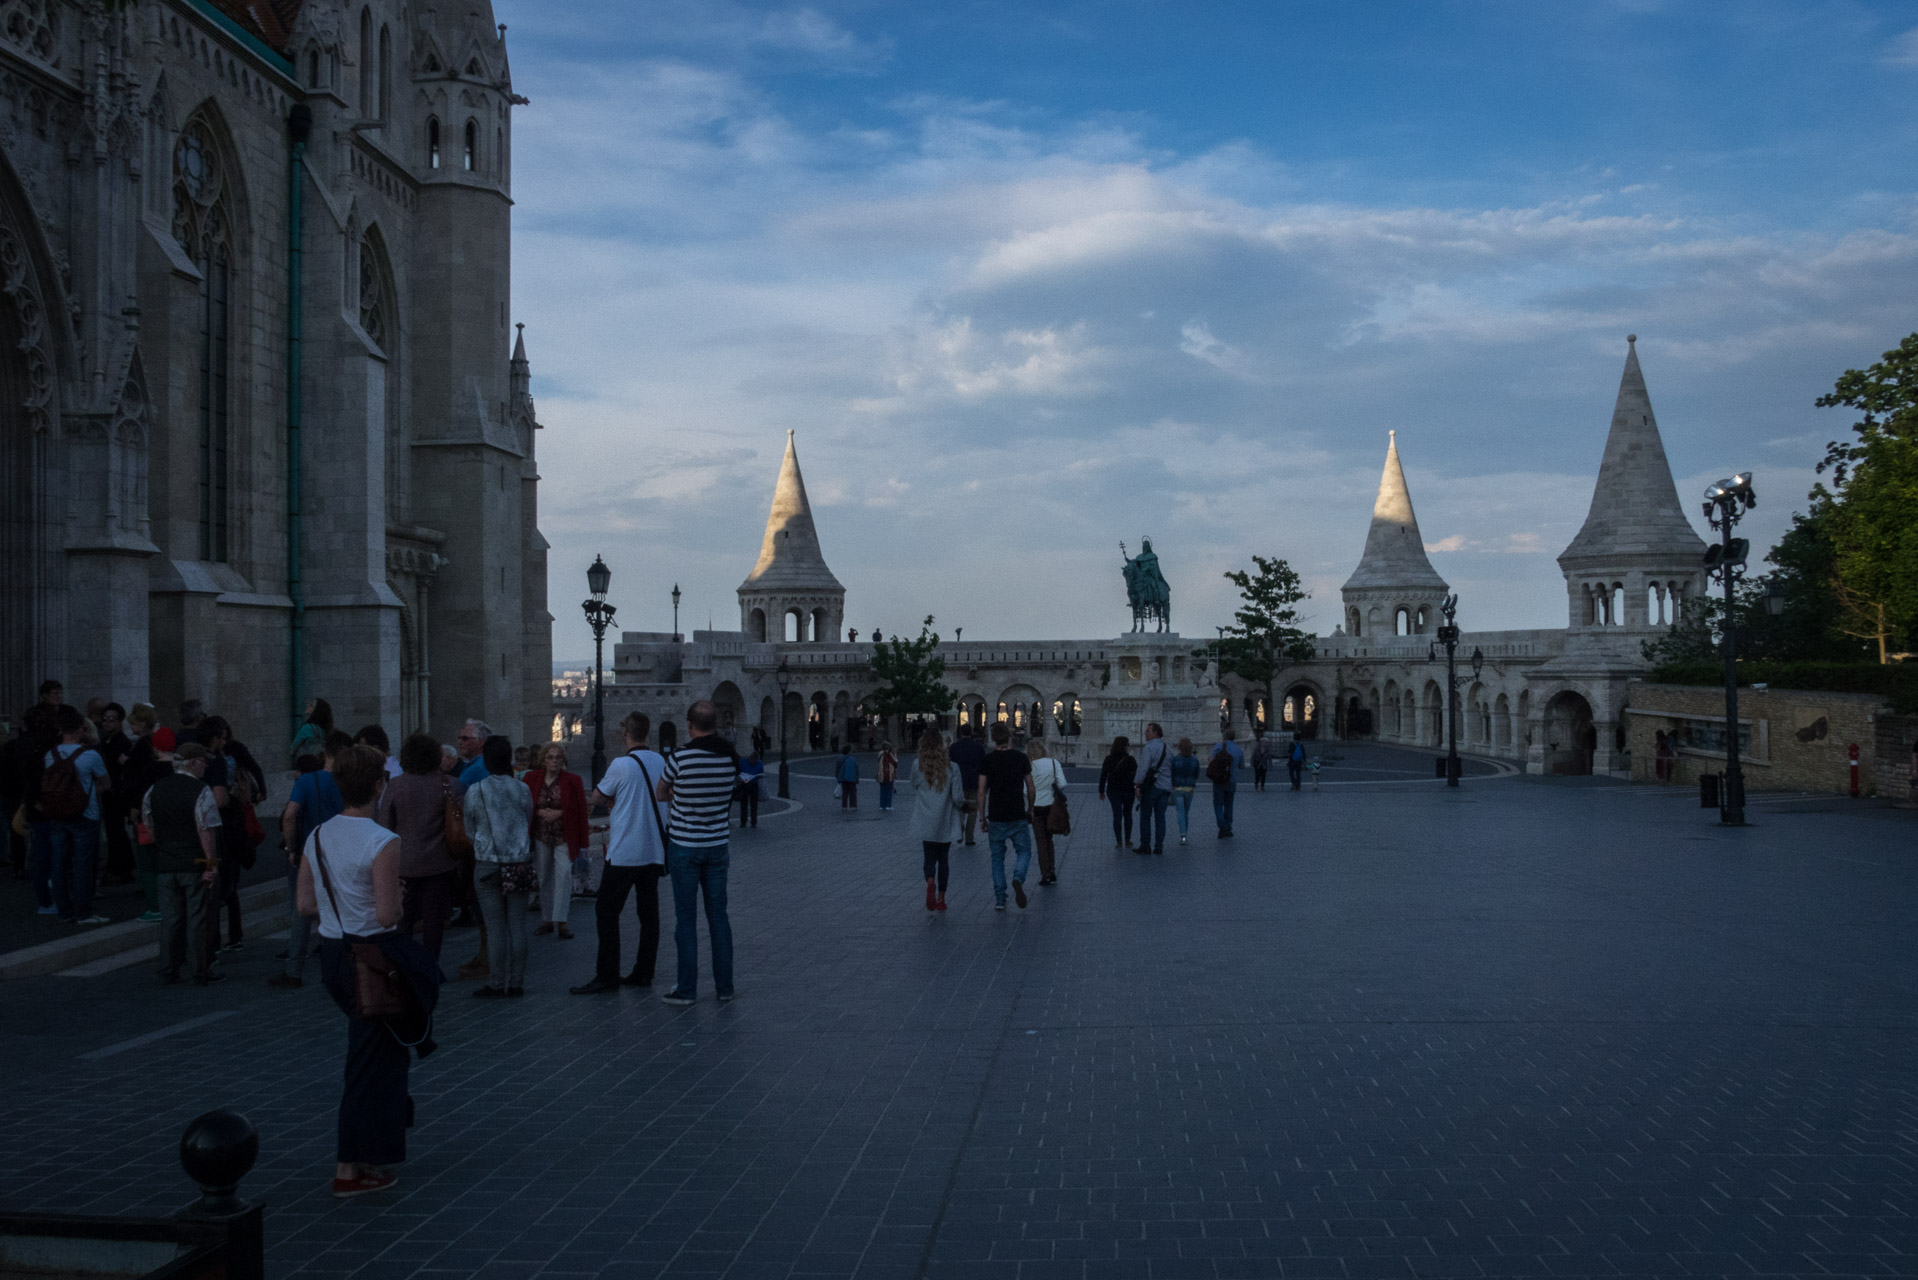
<point x="162" y="538"/>
<point x="1551" y="699"/>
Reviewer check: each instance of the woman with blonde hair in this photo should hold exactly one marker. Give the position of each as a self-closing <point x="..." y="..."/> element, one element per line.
<point x="938" y="799"/>
<point x="1048" y="789"/>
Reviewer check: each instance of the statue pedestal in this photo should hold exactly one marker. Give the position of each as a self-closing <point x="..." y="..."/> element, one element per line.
<point x="1155" y="679"/>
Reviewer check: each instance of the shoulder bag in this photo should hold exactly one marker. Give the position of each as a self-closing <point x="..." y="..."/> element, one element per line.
<point x="458" y="843"/>
<point x="382" y="991"/>
<point x="652" y="796"/>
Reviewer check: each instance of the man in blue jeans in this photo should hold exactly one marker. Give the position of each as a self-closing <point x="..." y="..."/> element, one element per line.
<point x="698" y="785"/>
<point x="1222" y="771"/>
<point x="1005" y="801"/>
<point x="73" y="838"/>
<point x="1155" y="790"/>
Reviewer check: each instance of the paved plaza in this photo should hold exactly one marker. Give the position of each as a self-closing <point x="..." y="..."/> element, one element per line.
<point x="1522" y="1028"/>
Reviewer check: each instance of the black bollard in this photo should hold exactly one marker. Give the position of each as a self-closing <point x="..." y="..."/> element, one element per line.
<point x="217" y="1150"/>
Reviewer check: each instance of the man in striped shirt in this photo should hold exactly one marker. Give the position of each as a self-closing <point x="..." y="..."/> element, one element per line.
<point x="698" y="784"/>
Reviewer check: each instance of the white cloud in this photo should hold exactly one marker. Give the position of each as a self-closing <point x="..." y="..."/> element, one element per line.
<point x="1903" y="49"/>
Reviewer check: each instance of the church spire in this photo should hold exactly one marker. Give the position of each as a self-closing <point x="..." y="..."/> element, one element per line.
<point x="790" y="556"/>
<point x="1394" y="550"/>
<point x="1635" y="510"/>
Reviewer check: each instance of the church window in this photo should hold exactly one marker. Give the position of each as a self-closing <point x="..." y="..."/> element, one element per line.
<point x="313" y="69"/>
<point x="499" y="151"/>
<point x="201" y="224"/>
<point x="432" y="144"/>
<point x="366" y="63"/>
<point x="1402" y="622"/>
<point x="386" y="71"/>
<point x="472" y="146"/>
<point x="372" y="299"/>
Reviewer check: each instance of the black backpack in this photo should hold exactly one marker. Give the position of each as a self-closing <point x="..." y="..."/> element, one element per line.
<point x="63" y="793"/>
<point x="1218" y="770"/>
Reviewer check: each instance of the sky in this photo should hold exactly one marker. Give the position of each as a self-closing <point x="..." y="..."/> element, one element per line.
<point x="1029" y="281"/>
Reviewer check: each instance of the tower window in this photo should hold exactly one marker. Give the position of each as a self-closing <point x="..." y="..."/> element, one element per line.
<point x="432" y="144"/>
<point x="472" y="146"/>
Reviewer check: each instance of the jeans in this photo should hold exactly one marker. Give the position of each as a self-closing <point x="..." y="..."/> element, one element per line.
<point x="1020" y="834"/>
<point x="1182" y="797"/>
<point x="1121" y="816"/>
<point x="40" y="863"/>
<point x="555" y="881"/>
<point x="644" y="884"/>
<point x="225" y="889"/>
<point x="885" y="795"/>
<point x="695" y="868"/>
<point x="938" y="866"/>
<point x="507" y="938"/>
<point x="849" y="795"/>
<point x="1042" y="843"/>
<point x="182" y="922"/>
<point x="1222" y="806"/>
<point x="298" y="936"/>
<point x="1258" y="776"/>
<point x="427" y="901"/>
<point x="74" y="843"/>
<point x="113" y="826"/>
<point x="1297" y="769"/>
<point x="1152" y="803"/>
<point x="749" y="804"/>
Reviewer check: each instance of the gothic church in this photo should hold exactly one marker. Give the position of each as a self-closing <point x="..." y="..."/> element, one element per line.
<point x="265" y="433"/>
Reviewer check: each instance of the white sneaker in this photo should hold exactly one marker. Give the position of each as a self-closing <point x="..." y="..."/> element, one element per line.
<point x="92" y="919"/>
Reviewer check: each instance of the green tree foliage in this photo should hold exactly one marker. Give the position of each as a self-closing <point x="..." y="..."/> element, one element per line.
<point x="911" y="671"/>
<point x="1870" y="511"/>
<point x="1264" y="636"/>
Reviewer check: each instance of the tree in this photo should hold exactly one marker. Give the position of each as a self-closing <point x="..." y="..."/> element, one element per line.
<point x="911" y="670"/>
<point x="1870" y="511"/>
<point x="1264" y="636"/>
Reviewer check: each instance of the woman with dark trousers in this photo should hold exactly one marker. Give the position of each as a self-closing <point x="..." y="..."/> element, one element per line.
<point x="1117" y="776"/>
<point x="559" y="836"/>
<point x="350" y="882"/>
<point x="414" y="808"/>
<point x="935" y="794"/>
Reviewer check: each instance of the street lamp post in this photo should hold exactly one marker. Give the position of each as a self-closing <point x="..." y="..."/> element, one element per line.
<point x="1448" y="636"/>
<point x="599" y="616"/>
<point x="783" y="676"/>
<point x="675" y="613"/>
<point x="1725" y="505"/>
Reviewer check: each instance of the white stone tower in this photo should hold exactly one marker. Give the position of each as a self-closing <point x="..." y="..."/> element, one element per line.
<point x="1637" y="559"/>
<point x="791" y="580"/>
<point x="1395" y="590"/>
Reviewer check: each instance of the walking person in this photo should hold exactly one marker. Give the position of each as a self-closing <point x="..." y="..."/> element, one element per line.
<point x="1116" y="774"/>
<point x="1261" y="762"/>
<point x="72" y="783"/>
<point x="559" y="836"/>
<point x="698" y="786"/>
<point x="752" y="772"/>
<point x="937" y="801"/>
<point x="350" y="884"/>
<point x="847" y="775"/>
<point x="888" y="775"/>
<point x="179" y="812"/>
<point x="1222" y="771"/>
<point x="967" y="752"/>
<point x="413" y="807"/>
<point x="1048" y="789"/>
<point x="1155" y="789"/>
<point x="499" y="819"/>
<point x="1295" y="763"/>
<point x="1185" y="781"/>
<point x="1005" y="799"/>
<point x="315" y="800"/>
<point x="635" y="860"/>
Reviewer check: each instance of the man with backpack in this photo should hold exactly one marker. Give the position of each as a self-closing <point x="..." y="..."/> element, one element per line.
<point x="1295" y="763"/>
<point x="73" y="779"/>
<point x="635" y="860"/>
<point x="1222" y="771"/>
<point x="1155" y="790"/>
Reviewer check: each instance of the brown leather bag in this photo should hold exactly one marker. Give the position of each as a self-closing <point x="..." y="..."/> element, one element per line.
<point x="382" y="989"/>
<point x="1058" y="817"/>
<point x="458" y="843"/>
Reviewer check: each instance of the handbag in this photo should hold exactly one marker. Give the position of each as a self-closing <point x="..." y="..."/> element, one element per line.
<point x="518" y="877"/>
<point x="837" y="790"/>
<point x="383" y="993"/>
<point x="1058" y="819"/>
<point x="458" y="842"/>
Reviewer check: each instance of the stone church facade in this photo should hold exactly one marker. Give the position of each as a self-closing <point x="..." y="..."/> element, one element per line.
<point x="267" y="433"/>
<point x="1551" y="700"/>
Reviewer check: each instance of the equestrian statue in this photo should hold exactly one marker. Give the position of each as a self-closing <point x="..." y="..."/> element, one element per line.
<point x="1146" y="588"/>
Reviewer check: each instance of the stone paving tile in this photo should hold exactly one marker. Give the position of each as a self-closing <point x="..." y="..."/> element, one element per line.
<point x="1518" y="1029"/>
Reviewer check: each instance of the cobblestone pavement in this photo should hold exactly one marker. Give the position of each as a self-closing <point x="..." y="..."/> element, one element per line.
<point x="1521" y="1028"/>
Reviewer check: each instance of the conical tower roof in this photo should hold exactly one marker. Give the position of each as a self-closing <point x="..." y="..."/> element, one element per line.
<point x="790" y="557"/>
<point x="1394" y="549"/>
<point x="1635" y="511"/>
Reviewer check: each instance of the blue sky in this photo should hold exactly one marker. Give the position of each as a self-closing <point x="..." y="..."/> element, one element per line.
<point x="1032" y="279"/>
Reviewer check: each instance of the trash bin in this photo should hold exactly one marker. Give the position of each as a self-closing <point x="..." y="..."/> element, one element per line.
<point x="1708" y="791"/>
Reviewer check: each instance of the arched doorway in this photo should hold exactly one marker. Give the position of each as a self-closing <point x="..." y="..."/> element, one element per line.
<point x="1571" y="739"/>
<point x="816" y="714"/>
<point x="1299" y="711"/>
<point x="795" y="722"/>
<point x="731" y="705"/>
<point x="1432" y="725"/>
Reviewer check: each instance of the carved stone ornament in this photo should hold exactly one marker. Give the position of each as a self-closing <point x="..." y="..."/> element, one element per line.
<point x="32" y="27"/>
<point x="16" y="282"/>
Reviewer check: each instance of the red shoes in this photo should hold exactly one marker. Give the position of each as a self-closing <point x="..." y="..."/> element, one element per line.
<point x="932" y="897"/>
<point x="368" y="1181"/>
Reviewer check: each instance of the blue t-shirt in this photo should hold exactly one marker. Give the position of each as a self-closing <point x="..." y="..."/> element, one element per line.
<point x="91" y="769"/>
<point x="319" y="799"/>
<point x="471" y="774"/>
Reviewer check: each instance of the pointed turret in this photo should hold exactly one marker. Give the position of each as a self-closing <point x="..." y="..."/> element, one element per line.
<point x="1394" y="549"/>
<point x="1394" y="590"/>
<point x="1636" y="558"/>
<point x="791" y="577"/>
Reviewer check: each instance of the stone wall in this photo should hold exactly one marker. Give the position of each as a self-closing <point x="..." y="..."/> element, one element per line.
<point x="1795" y="739"/>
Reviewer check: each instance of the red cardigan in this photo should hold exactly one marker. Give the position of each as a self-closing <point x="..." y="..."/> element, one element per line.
<point x="572" y="806"/>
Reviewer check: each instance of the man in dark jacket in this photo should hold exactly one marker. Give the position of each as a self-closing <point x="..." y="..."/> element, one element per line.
<point x="180" y="812"/>
<point x="968" y="753"/>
